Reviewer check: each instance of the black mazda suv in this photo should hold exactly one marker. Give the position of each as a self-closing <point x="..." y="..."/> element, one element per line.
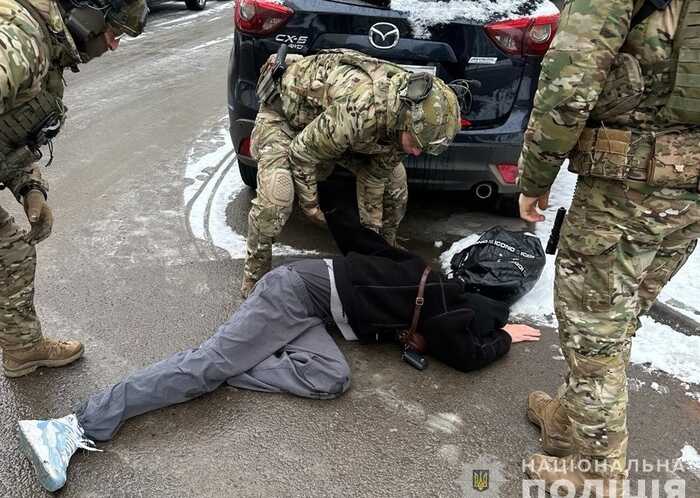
<point x="502" y="51"/>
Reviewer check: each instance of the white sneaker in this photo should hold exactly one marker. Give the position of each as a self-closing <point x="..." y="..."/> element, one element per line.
<point x="49" y="445"/>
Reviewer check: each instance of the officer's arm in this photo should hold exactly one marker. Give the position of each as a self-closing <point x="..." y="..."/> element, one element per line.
<point x="334" y="131"/>
<point x="574" y="71"/>
<point x="22" y="67"/>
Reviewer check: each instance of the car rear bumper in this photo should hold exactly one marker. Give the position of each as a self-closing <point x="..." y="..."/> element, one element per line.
<point x="468" y="163"/>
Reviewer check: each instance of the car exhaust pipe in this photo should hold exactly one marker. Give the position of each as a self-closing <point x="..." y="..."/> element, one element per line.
<point x="483" y="191"/>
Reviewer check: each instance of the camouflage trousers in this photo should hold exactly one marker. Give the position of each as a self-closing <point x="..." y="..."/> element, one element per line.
<point x="619" y="247"/>
<point x="19" y="326"/>
<point x="273" y="203"/>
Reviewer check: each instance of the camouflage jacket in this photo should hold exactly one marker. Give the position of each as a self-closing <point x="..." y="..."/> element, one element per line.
<point x="591" y="33"/>
<point x="344" y="114"/>
<point x="29" y="63"/>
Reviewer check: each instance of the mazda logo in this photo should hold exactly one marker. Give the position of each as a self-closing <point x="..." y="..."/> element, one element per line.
<point x="384" y="35"/>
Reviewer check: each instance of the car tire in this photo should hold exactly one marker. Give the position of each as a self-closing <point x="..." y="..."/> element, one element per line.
<point x="196" y="4"/>
<point x="249" y="175"/>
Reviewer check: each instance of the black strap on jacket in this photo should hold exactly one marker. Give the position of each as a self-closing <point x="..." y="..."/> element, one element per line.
<point x="649" y="7"/>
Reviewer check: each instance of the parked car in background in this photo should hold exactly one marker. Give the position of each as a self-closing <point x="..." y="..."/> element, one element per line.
<point x="501" y="49"/>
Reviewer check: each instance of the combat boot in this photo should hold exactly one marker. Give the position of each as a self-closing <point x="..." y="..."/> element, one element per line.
<point x="574" y="476"/>
<point x="548" y="414"/>
<point x="45" y="353"/>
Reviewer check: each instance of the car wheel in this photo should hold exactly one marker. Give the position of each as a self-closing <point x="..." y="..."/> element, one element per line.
<point x="249" y="175"/>
<point x="196" y="4"/>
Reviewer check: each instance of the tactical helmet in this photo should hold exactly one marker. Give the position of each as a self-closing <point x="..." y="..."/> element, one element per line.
<point x="433" y="113"/>
<point x="130" y="19"/>
<point x="89" y="19"/>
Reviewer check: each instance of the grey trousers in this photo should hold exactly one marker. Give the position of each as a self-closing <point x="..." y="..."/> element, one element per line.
<point x="275" y="342"/>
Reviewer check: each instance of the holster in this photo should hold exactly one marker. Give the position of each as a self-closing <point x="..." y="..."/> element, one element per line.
<point x="666" y="159"/>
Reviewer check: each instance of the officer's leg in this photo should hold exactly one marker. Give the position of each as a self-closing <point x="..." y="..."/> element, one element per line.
<point x="395" y="200"/>
<point x="610" y="241"/>
<point x="272" y="205"/>
<point x="19" y="325"/>
<point x="672" y="255"/>
<point x="311" y="366"/>
<point x="596" y="281"/>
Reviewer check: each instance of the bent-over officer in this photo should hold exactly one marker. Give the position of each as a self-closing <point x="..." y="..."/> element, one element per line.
<point x="38" y="40"/>
<point x="340" y="107"/>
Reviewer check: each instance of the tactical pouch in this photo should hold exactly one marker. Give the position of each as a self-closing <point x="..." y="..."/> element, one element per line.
<point x="623" y="90"/>
<point x="673" y="164"/>
<point x="602" y="152"/>
<point x="683" y="105"/>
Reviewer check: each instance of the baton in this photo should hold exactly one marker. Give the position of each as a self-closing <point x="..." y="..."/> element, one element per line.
<point x="553" y="241"/>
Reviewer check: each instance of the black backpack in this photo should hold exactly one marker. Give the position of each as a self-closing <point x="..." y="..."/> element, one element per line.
<point x="503" y="265"/>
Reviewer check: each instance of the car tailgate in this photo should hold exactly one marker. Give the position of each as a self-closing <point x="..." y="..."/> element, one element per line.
<point x="455" y="49"/>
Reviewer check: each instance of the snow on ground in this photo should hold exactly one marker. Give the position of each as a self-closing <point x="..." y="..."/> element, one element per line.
<point x="690" y="458"/>
<point x="212" y="182"/>
<point x="661" y="348"/>
<point x="657" y="346"/>
<point x="422" y="14"/>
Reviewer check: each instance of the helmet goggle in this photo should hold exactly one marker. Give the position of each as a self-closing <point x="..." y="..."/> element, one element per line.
<point x="416" y="91"/>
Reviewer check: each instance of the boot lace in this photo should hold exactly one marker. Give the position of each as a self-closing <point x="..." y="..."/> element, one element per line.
<point x="74" y="440"/>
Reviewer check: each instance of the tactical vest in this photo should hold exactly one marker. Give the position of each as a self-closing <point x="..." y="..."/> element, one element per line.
<point x="683" y="105"/>
<point x="28" y="126"/>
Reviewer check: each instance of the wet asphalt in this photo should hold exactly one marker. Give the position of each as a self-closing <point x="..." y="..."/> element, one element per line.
<point x="123" y="274"/>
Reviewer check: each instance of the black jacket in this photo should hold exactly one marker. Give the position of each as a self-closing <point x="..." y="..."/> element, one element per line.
<point x="378" y="284"/>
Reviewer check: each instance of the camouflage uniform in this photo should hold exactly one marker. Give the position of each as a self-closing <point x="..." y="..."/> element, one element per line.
<point x="35" y="47"/>
<point x="25" y="69"/>
<point x="335" y="108"/>
<point x="623" y="239"/>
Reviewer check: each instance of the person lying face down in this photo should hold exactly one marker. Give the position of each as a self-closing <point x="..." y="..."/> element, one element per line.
<point x="277" y="340"/>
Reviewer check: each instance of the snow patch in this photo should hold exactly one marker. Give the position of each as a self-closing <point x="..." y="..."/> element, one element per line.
<point x="690" y="458"/>
<point x="422" y="14"/>
<point x="449" y="423"/>
<point x="659" y="388"/>
<point x="214" y="182"/>
<point x="663" y="349"/>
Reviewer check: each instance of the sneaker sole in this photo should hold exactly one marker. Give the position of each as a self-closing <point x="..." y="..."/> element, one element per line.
<point x="32" y="366"/>
<point x="549" y="449"/>
<point x="27" y="448"/>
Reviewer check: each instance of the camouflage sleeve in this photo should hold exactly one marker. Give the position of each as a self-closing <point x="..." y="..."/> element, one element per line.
<point x="347" y="121"/>
<point x="574" y="71"/>
<point x="23" y="64"/>
<point x="372" y="182"/>
<point x="29" y="179"/>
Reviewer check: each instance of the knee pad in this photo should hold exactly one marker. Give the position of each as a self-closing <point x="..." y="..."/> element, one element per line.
<point x="278" y="188"/>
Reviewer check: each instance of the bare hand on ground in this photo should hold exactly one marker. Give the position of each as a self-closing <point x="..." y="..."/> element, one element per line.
<point x="521" y="333"/>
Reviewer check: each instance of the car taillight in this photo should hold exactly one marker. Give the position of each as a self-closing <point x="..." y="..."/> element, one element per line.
<point x="524" y="36"/>
<point x="508" y="172"/>
<point x="465" y="123"/>
<point x="260" y="17"/>
<point x="244" y="147"/>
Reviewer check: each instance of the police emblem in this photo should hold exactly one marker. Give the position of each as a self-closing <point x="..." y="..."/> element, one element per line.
<point x="480" y="480"/>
